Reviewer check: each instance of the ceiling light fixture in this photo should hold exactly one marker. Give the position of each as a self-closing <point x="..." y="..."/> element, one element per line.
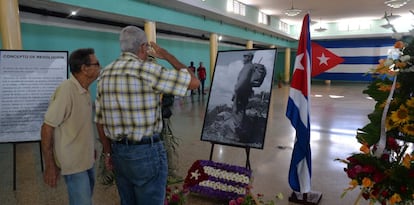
<point x="391" y="17"/>
<point x="396" y="3"/>
<point x="320" y="29"/>
<point x="292" y="11"/>
<point x="387" y="26"/>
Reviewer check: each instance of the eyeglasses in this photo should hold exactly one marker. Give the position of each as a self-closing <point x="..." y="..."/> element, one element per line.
<point x="97" y="64"/>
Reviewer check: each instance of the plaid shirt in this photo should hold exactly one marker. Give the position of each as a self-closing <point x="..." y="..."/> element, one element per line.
<point x="128" y="96"/>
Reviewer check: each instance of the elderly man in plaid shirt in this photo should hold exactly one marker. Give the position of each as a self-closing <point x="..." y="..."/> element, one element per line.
<point x="128" y="115"/>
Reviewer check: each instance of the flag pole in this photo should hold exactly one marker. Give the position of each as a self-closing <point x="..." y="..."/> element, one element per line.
<point x="298" y="111"/>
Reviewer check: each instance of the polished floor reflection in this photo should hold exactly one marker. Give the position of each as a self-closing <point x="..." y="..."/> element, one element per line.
<point x="337" y="110"/>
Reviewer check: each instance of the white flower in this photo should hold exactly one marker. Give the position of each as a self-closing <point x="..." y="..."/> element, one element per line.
<point x="405" y="58"/>
<point x="388" y="62"/>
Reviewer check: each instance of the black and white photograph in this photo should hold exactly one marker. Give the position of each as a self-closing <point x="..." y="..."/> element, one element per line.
<point x="238" y="105"/>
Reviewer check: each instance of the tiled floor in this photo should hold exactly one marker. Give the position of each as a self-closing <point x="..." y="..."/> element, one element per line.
<point x="337" y="111"/>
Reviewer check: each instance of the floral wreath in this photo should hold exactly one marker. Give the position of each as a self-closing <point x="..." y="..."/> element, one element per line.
<point x="384" y="169"/>
<point x="217" y="180"/>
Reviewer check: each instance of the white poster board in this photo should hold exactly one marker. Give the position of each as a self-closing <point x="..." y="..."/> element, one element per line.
<point x="27" y="80"/>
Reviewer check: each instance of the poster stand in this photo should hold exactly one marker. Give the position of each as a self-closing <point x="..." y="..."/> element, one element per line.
<point x="28" y="78"/>
<point x="14" y="166"/>
<point x="14" y="161"/>
<point x="247" y="149"/>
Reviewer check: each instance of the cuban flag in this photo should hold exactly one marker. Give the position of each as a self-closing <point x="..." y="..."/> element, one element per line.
<point x="298" y="113"/>
<point x="359" y="56"/>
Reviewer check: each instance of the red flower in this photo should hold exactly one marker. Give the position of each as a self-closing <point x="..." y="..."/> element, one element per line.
<point x="392" y="144"/>
<point x="352" y="160"/>
<point x="378" y="177"/>
<point x="403" y="189"/>
<point x="384" y="193"/>
<point x="375" y="192"/>
<point x="232" y="202"/>
<point x="368" y="169"/>
<point x="175" y="198"/>
<point x="354" y="171"/>
<point x="385" y="157"/>
<point x="411" y="173"/>
<point x="365" y="195"/>
<point x="240" y="200"/>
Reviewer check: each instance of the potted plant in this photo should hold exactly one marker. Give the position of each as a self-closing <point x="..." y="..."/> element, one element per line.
<point x="280" y="79"/>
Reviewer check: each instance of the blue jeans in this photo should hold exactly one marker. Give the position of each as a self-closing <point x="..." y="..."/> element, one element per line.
<point x="80" y="187"/>
<point x="141" y="173"/>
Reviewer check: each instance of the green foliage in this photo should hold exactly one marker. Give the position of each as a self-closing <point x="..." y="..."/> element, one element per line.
<point x="387" y="176"/>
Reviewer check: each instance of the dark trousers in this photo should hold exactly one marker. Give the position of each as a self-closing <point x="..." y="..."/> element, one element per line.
<point x="202" y="87"/>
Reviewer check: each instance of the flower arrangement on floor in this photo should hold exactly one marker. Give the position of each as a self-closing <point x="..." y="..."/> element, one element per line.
<point x="384" y="169"/>
<point x="254" y="199"/>
<point x="217" y="180"/>
<point x="175" y="196"/>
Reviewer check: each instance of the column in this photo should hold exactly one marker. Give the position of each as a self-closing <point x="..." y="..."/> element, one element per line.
<point x="286" y="78"/>
<point x="213" y="52"/>
<point x="249" y="44"/>
<point x="150" y="31"/>
<point x="10" y="25"/>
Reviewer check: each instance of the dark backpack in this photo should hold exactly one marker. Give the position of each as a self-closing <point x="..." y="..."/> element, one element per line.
<point x="259" y="73"/>
<point x="167" y="102"/>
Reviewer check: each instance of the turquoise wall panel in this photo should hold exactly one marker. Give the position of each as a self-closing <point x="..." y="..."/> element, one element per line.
<point x="187" y="51"/>
<point x="42" y="37"/>
<point x="144" y="10"/>
<point x="106" y="45"/>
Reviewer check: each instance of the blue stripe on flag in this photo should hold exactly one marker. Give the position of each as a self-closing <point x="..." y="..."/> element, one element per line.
<point x="362" y="59"/>
<point x="355" y="43"/>
<point x="301" y="150"/>
<point x="360" y="77"/>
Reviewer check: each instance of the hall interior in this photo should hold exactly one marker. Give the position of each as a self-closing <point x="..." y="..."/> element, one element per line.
<point x="337" y="111"/>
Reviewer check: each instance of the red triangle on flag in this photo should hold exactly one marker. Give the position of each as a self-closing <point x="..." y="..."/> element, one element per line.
<point x="323" y="59"/>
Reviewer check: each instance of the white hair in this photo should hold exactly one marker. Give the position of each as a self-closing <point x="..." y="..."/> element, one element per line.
<point x="131" y="38"/>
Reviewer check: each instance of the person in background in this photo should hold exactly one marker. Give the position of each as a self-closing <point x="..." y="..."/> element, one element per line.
<point x="128" y="116"/>
<point x="67" y="134"/>
<point x="201" y="71"/>
<point x="193" y="69"/>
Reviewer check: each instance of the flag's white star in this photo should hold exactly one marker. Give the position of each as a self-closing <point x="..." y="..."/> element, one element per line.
<point x="323" y="59"/>
<point x="298" y="63"/>
<point x="195" y="174"/>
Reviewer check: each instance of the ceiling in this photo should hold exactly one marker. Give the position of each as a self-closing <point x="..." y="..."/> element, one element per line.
<point x="329" y="10"/>
<point x="320" y="10"/>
